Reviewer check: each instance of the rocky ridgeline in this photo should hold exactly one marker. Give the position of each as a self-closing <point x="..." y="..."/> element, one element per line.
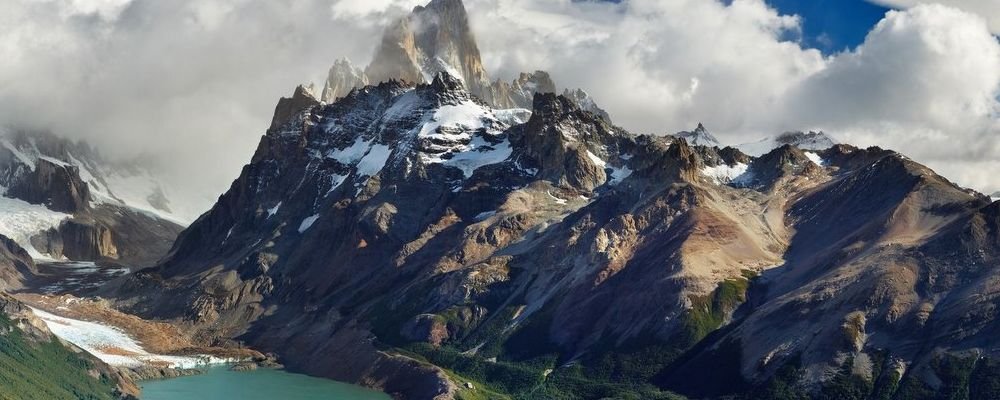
<point x="403" y="215"/>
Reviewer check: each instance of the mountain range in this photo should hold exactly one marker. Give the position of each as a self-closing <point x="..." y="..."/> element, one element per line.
<point x="421" y="229"/>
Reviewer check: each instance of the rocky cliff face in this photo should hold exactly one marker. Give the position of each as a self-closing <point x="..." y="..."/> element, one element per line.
<point x="341" y="79"/>
<point x="700" y="136"/>
<point x="63" y="199"/>
<point x="16" y="265"/>
<point x="432" y="39"/>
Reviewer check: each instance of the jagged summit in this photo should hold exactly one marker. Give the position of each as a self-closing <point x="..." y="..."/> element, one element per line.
<point x="437" y="38"/>
<point x="341" y="79"/>
<point x="698" y="137"/>
<point x="431" y="39"/>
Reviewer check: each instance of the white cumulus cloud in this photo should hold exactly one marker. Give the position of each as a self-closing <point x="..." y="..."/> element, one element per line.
<point x="988" y="9"/>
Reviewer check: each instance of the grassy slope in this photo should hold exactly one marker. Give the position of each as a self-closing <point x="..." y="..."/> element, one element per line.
<point x="45" y="371"/>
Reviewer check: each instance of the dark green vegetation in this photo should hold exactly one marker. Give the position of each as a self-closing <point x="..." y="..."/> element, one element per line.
<point x="45" y="370"/>
<point x="520" y="362"/>
<point x="961" y="378"/>
<point x="501" y="361"/>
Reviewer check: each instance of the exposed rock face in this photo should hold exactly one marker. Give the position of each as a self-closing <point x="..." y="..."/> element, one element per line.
<point x="82" y="241"/>
<point x="288" y="107"/>
<point x="580" y="97"/>
<point x="342" y="78"/>
<point x="432" y="39"/>
<point x="57" y="186"/>
<point x="15" y="265"/>
<point x="520" y="92"/>
<point x="71" y="178"/>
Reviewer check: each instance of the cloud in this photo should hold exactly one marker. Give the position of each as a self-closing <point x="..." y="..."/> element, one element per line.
<point x="194" y="83"/>
<point x="191" y="84"/>
<point x="988" y="9"/>
<point x="925" y="81"/>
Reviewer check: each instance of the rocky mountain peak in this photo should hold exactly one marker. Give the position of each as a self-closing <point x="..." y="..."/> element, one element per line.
<point x="432" y="39"/>
<point x="341" y="79"/>
<point x="550" y="106"/>
<point x="437" y="38"/>
<point x="445" y="82"/>
<point x="806" y="140"/>
<point x="287" y="107"/>
<point x="783" y="162"/>
<point x="583" y="99"/>
<point x="698" y="137"/>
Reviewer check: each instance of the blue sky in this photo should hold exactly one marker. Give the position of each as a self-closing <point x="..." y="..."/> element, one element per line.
<point x="832" y="25"/>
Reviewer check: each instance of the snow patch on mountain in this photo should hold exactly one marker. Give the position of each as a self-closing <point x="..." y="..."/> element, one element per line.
<point x="722" y="173"/>
<point x="459" y="137"/>
<point x="596" y="160"/>
<point x="308" y="223"/>
<point x="115" y="347"/>
<point x="479" y="153"/>
<point x="698" y="137"/>
<point x="619" y="174"/>
<point x="815" y="158"/>
<point x="20" y="220"/>
<point x="25" y="159"/>
<point x="373" y="162"/>
<point x="273" y="210"/>
<point x="513" y="116"/>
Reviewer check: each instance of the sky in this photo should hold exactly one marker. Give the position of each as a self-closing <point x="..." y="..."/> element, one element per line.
<point x="192" y="84"/>
<point x="832" y="25"/>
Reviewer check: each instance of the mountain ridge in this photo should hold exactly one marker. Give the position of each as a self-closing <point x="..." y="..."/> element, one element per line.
<point x="679" y="227"/>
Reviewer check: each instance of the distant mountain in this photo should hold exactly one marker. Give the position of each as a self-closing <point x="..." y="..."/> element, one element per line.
<point x="437" y="38"/>
<point x="698" y="137"/>
<point x="804" y="141"/>
<point x="62" y="199"/>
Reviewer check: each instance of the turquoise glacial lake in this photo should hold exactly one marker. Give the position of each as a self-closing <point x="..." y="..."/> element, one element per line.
<point x="219" y="383"/>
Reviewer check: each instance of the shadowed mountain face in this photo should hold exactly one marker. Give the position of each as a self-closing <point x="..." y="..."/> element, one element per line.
<point x="417" y="220"/>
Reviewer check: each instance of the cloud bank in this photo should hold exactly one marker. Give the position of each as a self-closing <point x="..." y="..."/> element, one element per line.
<point x="988" y="9"/>
<point x="195" y="82"/>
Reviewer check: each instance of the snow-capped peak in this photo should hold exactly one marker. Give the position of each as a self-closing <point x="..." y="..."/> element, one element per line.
<point x="698" y="137"/>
